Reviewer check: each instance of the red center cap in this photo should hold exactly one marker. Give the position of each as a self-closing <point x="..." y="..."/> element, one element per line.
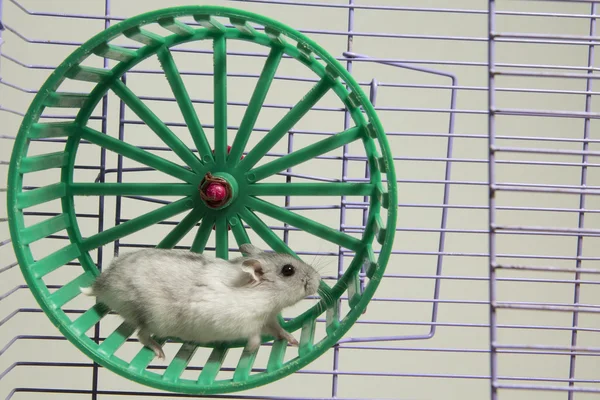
<point x="216" y="192"/>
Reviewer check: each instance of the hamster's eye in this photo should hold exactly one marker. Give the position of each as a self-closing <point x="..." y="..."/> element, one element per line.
<point x="288" y="270"/>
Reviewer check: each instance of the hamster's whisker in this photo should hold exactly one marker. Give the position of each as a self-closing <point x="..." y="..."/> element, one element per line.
<point x="325" y="296"/>
<point x="322" y="266"/>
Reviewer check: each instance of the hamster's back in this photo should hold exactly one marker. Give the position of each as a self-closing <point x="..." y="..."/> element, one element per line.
<point x="153" y="278"/>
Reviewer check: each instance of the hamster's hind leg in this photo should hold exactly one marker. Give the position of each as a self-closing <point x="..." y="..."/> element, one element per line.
<point x="147" y="341"/>
<point x="253" y="343"/>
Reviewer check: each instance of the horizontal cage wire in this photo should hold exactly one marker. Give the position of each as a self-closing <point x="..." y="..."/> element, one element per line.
<point x="492" y="287"/>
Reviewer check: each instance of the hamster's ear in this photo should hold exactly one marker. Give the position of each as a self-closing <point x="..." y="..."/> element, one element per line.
<point x="250" y="249"/>
<point x="254" y="269"/>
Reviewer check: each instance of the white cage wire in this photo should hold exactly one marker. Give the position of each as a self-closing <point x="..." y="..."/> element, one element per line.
<point x="492" y="288"/>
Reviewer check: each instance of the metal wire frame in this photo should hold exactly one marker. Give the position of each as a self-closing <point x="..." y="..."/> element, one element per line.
<point x="576" y="308"/>
<point x="494" y="37"/>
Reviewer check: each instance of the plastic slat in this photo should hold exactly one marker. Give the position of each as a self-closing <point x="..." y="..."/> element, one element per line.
<point x="354" y="293"/>
<point x="353" y="100"/>
<point x="244" y="367"/>
<point x="305" y="52"/>
<point x="179" y="363"/>
<point x="331" y="72"/>
<point x="71" y="290"/>
<point x="178" y="28"/>
<point x="243" y="26"/>
<point x="382" y="164"/>
<point x="372" y="267"/>
<point x="383" y="195"/>
<point x="113" y="52"/>
<point x="51" y="129"/>
<point x="89" y="318"/>
<point x="143" y="36"/>
<point x="371" y="130"/>
<point x="88" y="74"/>
<point x="40" y="195"/>
<point x="380" y="229"/>
<point x="43" y="161"/>
<point x="307" y="337"/>
<point x="116" y="339"/>
<point x="55" y="260"/>
<point x="66" y="100"/>
<point x="275" y="36"/>
<point x="209" y="23"/>
<point x="212" y="366"/>
<point x="332" y="318"/>
<point x="45" y="228"/>
<point x="277" y="354"/>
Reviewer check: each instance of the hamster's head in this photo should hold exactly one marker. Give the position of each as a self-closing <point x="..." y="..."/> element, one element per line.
<point x="288" y="279"/>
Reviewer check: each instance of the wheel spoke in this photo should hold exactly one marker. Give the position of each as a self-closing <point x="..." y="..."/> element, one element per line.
<point x="135" y="224"/>
<point x="184" y="102"/>
<point x="311" y="189"/>
<point x="131" y="189"/>
<point x="309" y="152"/>
<point x="159" y="127"/>
<point x="137" y="154"/>
<point x="305" y="224"/>
<point x="182" y="228"/>
<point x="220" y="103"/>
<point x="256" y="103"/>
<point x="239" y="232"/>
<point x="222" y="238"/>
<point x="286" y="123"/>
<point x="203" y="234"/>
<point x="265" y="233"/>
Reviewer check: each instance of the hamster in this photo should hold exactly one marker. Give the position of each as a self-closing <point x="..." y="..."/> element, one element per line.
<point x="199" y="298"/>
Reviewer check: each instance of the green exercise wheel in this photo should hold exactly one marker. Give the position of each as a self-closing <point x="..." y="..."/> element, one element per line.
<point x="218" y="188"/>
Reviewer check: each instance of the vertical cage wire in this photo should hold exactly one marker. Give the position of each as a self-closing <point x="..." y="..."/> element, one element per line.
<point x="492" y="202"/>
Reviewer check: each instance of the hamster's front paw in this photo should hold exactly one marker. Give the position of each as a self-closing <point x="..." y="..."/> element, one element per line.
<point x="290" y="339"/>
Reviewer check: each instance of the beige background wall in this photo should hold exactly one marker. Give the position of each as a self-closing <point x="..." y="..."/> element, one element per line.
<point x="460" y="345"/>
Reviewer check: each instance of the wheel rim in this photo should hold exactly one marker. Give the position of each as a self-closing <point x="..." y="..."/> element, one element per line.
<point x="235" y="175"/>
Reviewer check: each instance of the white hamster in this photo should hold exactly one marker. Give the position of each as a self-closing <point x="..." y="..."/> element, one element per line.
<point x="198" y="298"/>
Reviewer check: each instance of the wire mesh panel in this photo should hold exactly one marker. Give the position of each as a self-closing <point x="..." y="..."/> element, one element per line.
<point x="545" y="329"/>
<point x="495" y="261"/>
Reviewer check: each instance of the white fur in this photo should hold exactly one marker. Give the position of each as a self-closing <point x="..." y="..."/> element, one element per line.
<point x="88" y="291"/>
<point x="175" y="293"/>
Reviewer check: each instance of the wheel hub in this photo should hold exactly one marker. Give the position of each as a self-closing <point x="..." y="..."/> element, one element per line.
<point x="218" y="190"/>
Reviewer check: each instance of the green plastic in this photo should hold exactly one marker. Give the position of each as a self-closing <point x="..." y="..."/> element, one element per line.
<point x="247" y="206"/>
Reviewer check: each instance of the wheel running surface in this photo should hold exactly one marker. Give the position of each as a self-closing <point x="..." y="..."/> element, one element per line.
<point x="221" y="188"/>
